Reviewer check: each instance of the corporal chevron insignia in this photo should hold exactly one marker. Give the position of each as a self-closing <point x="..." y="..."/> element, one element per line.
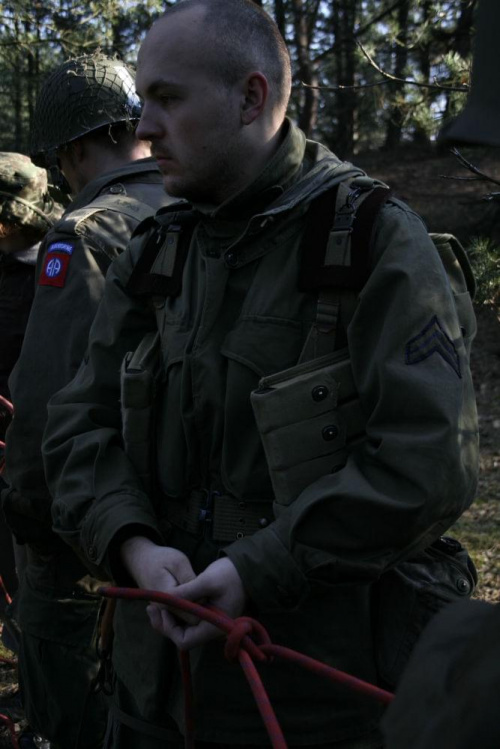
<point x="432" y="340"/>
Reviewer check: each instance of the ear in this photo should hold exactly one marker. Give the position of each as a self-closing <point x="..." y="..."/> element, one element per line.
<point x="256" y="92"/>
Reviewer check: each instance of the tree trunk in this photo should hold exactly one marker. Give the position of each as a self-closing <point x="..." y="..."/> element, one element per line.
<point x="310" y="96"/>
<point x="420" y="136"/>
<point x="344" y="19"/>
<point x="396" y="115"/>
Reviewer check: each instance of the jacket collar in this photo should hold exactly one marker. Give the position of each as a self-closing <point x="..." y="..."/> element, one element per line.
<point x="97" y="185"/>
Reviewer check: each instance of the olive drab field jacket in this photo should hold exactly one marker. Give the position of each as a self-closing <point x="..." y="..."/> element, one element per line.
<point x="236" y="315"/>
<point x="72" y="264"/>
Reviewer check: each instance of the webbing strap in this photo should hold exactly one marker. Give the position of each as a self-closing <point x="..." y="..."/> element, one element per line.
<point x="353" y="221"/>
<point x="336" y="257"/>
<point x="160" y="267"/>
<point x="144" y="727"/>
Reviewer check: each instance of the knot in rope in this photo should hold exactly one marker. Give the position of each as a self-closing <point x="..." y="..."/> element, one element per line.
<point x="247" y="634"/>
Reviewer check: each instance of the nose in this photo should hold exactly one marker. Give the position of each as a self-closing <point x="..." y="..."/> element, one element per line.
<point x="149" y="127"/>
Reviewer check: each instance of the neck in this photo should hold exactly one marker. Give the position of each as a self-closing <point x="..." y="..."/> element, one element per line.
<point x="252" y="160"/>
<point x="98" y="160"/>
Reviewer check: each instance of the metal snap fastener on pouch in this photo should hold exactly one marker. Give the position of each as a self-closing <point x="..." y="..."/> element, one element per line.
<point x="319" y="393"/>
<point x="330" y="433"/>
<point x="463" y="586"/>
<point x="231" y="259"/>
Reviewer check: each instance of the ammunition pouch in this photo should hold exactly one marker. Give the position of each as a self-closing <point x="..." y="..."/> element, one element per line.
<point x="407" y="596"/>
<point x="309" y="418"/>
<point x="140" y="377"/>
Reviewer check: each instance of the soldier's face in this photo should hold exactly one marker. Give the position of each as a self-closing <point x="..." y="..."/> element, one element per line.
<point x="191" y="119"/>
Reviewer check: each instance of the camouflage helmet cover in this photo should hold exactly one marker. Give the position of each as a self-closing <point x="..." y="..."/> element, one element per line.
<point x="81" y="95"/>
<point x="24" y="196"/>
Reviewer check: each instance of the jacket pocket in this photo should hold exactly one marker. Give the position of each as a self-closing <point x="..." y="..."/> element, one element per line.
<point x="309" y="417"/>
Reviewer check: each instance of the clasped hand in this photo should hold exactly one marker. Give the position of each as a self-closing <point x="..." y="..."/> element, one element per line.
<point x="169" y="570"/>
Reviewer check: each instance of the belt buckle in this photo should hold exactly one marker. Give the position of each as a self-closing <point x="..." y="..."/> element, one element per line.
<point x="206" y="513"/>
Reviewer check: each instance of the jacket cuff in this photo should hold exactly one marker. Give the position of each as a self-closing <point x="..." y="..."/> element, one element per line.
<point x="105" y="522"/>
<point x="269" y="573"/>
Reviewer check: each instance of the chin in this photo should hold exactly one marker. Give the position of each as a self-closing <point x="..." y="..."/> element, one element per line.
<point x="174" y="187"/>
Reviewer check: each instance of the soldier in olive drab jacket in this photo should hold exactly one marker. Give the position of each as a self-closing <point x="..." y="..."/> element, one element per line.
<point x="27" y="212"/>
<point x="221" y="282"/>
<point x="84" y="121"/>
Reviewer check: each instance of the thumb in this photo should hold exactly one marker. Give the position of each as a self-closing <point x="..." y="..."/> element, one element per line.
<point x="181" y="568"/>
<point x="193" y="590"/>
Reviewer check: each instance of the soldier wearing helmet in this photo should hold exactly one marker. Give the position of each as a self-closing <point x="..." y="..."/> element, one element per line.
<point x="27" y="211"/>
<point x="84" y="133"/>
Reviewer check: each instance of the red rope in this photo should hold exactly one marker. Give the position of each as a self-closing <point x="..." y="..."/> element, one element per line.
<point x="12" y="730"/>
<point x="5" y="591"/>
<point x="10" y="409"/>
<point x="247" y="641"/>
<point x="8" y="405"/>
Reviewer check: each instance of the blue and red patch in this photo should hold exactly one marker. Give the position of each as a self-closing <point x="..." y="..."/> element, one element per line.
<point x="55" y="265"/>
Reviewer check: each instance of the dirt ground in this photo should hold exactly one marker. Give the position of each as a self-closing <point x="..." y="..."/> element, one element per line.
<point x="455" y="207"/>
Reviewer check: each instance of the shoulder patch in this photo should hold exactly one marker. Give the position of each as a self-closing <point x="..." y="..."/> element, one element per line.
<point x="55" y="265"/>
<point x="60" y="247"/>
<point x="432" y="340"/>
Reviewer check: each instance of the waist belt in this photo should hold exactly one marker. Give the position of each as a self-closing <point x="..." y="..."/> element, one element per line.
<point x="222" y="517"/>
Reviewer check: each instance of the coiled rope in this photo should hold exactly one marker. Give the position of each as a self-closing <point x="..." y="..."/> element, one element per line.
<point x="247" y="642"/>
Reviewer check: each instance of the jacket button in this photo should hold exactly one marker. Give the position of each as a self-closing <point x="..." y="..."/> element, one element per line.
<point x="263" y="522"/>
<point x="463" y="586"/>
<point x="319" y="393"/>
<point x="231" y="259"/>
<point x="92" y="553"/>
<point x="330" y="433"/>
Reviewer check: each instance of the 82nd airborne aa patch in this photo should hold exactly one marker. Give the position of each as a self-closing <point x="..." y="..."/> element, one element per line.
<point x="432" y="340"/>
<point x="55" y="264"/>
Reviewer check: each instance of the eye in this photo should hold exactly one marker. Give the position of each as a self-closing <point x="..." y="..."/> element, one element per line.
<point x="167" y="99"/>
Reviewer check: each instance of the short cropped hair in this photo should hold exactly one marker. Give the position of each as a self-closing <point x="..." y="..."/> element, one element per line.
<point x="247" y="39"/>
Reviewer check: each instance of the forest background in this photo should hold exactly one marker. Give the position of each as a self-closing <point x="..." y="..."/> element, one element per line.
<point x="335" y="44"/>
<point x="375" y="80"/>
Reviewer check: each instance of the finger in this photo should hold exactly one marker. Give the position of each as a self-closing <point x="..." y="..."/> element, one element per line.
<point x="180" y="566"/>
<point x="194" y="590"/>
<point x="184" y="637"/>
<point x="182" y="616"/>
<point x="163" y="621"/>
<point x="189" y="637"/>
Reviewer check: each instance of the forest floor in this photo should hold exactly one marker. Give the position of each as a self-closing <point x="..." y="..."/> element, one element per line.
<point x="456" y="207"/>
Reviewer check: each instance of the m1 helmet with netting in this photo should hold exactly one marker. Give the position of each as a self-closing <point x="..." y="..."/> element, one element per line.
<point x="25" y="198"/>
<point x="81" y="95"/>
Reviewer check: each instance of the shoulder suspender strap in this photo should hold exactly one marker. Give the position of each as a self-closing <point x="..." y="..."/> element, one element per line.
<point x="160" y="267"/>
<point x="338" y="265"/>
<point x="337" y="237"/>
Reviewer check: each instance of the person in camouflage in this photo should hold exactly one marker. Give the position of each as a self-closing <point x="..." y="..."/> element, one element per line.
<point x="27" y="212"/>
<point x="84" y="132"/>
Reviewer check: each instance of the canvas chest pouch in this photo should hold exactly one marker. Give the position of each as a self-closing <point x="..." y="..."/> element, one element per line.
<point x="309" y="418"/>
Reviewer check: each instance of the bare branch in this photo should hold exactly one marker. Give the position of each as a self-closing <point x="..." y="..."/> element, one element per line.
<point x="479" y="176"/>
<point x="345" y="88"/>
<point x="462" y="179"/>
<point x="395" y="78"/>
